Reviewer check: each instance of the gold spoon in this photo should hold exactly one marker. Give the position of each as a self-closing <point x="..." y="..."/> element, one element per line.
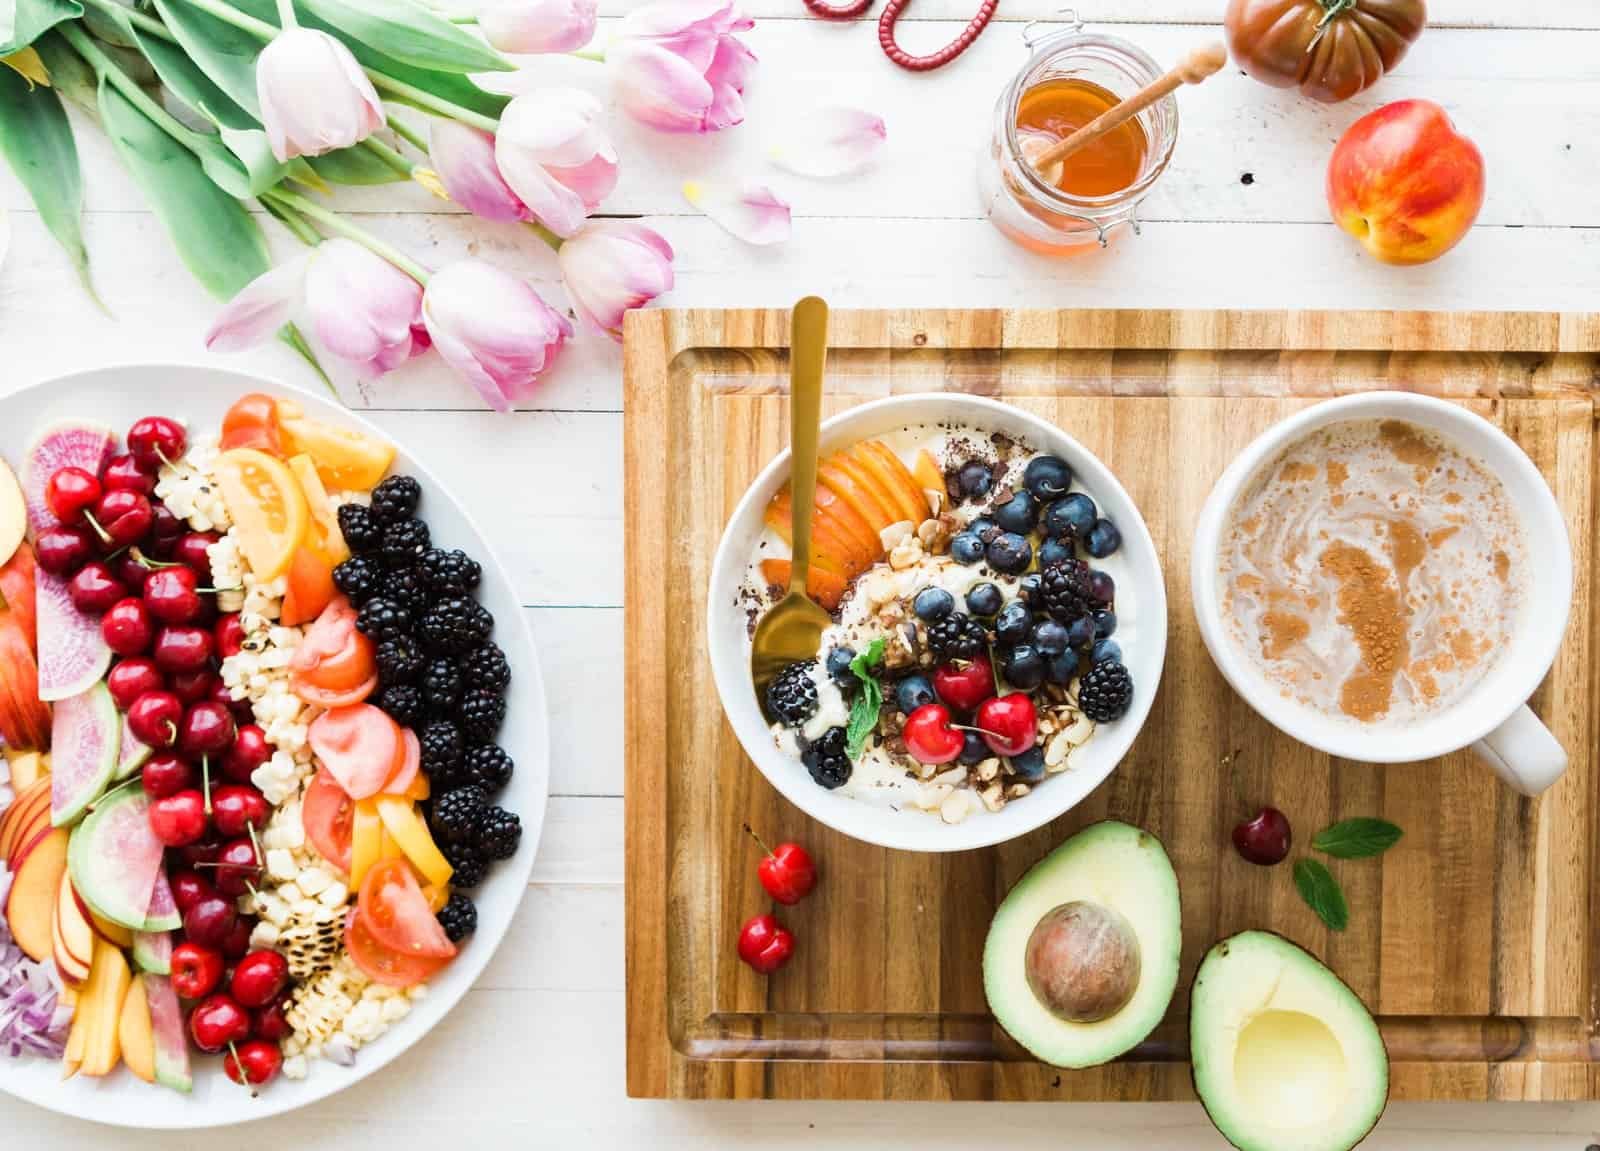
<point x="792" y="628"/>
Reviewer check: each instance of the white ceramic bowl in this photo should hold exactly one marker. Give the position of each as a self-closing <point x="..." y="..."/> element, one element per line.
<point x="118" y="396"/>
<point x="1141" y="614"/>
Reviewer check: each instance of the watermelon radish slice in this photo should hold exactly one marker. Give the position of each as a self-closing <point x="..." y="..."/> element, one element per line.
<point x="172" y="1044"/>
<point x="152" y="951"/>
<point x="114" y="859"/>
<point x="84" y="737"/>
<point x="72" y="652"/>
<point x="131" y="754"/>
<point x="162" y="914"/>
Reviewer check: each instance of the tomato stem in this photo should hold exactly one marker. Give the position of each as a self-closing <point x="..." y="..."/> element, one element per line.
<point x="1330" y="10"/>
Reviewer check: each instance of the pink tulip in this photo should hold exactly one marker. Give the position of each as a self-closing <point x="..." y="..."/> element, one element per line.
<point x="314" y="96"/>
<point x="556" y="156"/>
<point x="537" y="25"/>
<point x="493" y="328"/>
<point x="361" y="308"/>
<point x="463" y="156"/>
<point x="614" y="265"/>
<point x="677" y="66"/>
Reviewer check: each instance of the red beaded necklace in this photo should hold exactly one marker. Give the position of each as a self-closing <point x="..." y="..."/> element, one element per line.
<point x="886" y="22"/>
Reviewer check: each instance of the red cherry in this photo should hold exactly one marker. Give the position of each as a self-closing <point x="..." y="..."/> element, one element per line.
<point x="241" y="708"/>
<point x="192" y="686"/>
<point x="130" y="679"/>
<point x="259" y="977"/>
<point x="1264" y="838"/>
<point x="165" y="774"/>
<point x="184" y="648"/>
<point x="217" y="1022"/>
<point x="964" y="684"/>
<point x="210" y="921"/>
<point x="206" y="729"/>
<point x="71" y="492"/>
<point x="236" y="807"/>
<point x="787" y="873"/>
<point x="178" y="819"/>
<point x="202" y="854"/>
<point x="94" y="589"/>
<point x="196" y="970"/>
<point x="1009" y="724"/>
<point x="929" y="736"/>
<point x="229" y="635"/>
<point x="249" y="751"/>
<point x="154" y="718"/>
<point x="165" y="528"/>
<point x="189" y="888"/>
<point x="156" y="440"/>
<point x="125" y="517"/>
<point x="237" y="867"/>
<point x="253" y="1063"/>
<point x="237" y="941"/>
<point x="123" y="473"/>
<point x="171" y="596"/>
<point x="132" y="569"/>
<point x="126" y="627"/>
<point x="765" y="944"/>
<point x="191" y="549"/>
<point x="270" y="1022"/>
<point x="63" y="550"/>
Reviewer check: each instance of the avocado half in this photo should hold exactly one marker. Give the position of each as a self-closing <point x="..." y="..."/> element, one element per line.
<point x="1286" y="1057"/>
<point x="1114" y="889"/>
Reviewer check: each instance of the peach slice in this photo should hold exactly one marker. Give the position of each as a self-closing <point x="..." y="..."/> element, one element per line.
<point x="101" y="999"/>
<point x="73" y="936"/>
<point x="826" y="587"/>
<point x="865" y="503"/>
<point x="18" y="820"/>
<point x="135" y="1035"/>
<point x="31" y="906"/>
<point x="896" y="473"/>
<point x="830" y="545"/>
<point x="927" y="474"/>
<point x="864" y="470"/>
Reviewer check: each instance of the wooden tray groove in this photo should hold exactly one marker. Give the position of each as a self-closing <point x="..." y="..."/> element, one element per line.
<point x="1474" y="941"/>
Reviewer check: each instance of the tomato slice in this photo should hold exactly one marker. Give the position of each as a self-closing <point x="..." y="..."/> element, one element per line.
<point x="396" y="912"/>
<point x="358" y="745"/>
<point x="321" y="697"/>
<point x="327" y="814"/>
<point x="382" y="964"/>
<point x="252" y="422"/>
<point x="333" y="655"/>
<point x="409" y="764"/>
<point x="310" y="589"/>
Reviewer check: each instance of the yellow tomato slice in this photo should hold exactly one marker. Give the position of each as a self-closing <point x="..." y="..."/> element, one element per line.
<point x="325" y="535"/>
<point x="400" y="817"/>
<point x="267" y="506"/>
<point x="366" y="841"/>
<point x="347" y="460"/>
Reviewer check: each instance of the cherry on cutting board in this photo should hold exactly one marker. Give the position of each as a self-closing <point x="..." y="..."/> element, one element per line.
<point x="1008" y="723"/>
<point x="929" y="736"/>
<point x="765" y="944"/>
<point x="786" y="871"/>
<point x="1264" y="838"/>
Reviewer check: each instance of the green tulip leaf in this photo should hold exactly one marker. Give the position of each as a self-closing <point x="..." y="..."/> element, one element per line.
<point x="70" y="76"/>
<point x="410" y="33"/>
<point x="189" y="82"/>
<point x="36" y="141"/>
<point x="227" y="55"/>
<point x="354" y="166"/>
<point x="108" y="26"/>
<point x="24" y="21"/>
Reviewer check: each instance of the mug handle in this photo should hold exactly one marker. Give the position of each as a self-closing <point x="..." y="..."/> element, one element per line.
<point x="1522" y="752"/>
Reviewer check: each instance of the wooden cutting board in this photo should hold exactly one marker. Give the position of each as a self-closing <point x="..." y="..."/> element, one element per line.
<point x="1474" y="940"/>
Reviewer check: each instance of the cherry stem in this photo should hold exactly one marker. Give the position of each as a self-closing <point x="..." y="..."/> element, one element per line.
<point x="145" y="561"/>
<point x="205" y="779"/>
<point x="979" y="730"/>
<point x="244" y="1076"/>
<point x="123" y="786"/>
<point x="1231" y="762"/>
<point x="162" y="456"/>
<point x="751" y="832"/>
<point x="261" y="856"/>
<point x="105" y="536"/>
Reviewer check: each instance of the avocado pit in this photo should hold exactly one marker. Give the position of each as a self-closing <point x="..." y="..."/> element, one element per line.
<point x="1082" y="961"/>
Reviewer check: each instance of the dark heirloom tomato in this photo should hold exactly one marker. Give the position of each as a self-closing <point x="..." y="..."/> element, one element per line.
<point x="1330" y="49"/>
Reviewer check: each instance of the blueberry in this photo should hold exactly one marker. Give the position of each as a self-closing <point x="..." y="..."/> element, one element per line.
<point x="1062" y="668"/>
<point x="1047" y="477"/>
<point x="839" y="666"/>
<point x="1012" y="625"/>
<point x="1028" y="587"/>
<point x="1102" y="540"/>
<point x="1019" y="514"/>
<point x="1080" y="633"/>
<point x="933" y="603"/>
<point x="1023" y="667"/>
<point x="1103" y="587"/>
<point x="1105" y="622"/>
<point x="973" y="479"/>
<point x="983" y="527"/>
<point x="1049" y="637"/>
<point x="1053" y="551"/>
<point x="1106" y="649"/>
<point x="974" y="750"/>
<point x="912" y="692"/>
<point x="1073" y="515"/>
<point x="1029" y="766"/>
<point x="1010" y="553"/>
<point x="984" y="599"/>
<point x="967" y="549"/>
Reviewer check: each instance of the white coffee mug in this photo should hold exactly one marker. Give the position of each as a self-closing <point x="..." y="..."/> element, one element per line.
<point x="1492" y="717"/>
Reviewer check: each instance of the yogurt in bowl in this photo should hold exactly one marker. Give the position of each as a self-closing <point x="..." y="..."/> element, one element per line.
<point x="1015" y="593"/>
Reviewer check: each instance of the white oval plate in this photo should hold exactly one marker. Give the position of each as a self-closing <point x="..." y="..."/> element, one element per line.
<point x="200" y="396"/>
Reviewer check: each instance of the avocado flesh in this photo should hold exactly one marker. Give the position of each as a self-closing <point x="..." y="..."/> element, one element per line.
<point x="1119" y="867"/>
<point x="1286" y="1057"/>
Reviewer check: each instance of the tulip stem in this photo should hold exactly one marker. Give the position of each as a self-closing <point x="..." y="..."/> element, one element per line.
<point x="138" y="19"/>
<point x="598" y="55"/>
<point x="429" y="101"/>
<point x="295" y="222"/>
<point x="545" y="234"/>
<point x="339" y="225"/>
<point x="106" y="69"/>
<point x="409" y="134"/>
<point x="228" y="14"/>
<point x="388" y="155"/>
<point x="286" y="14"/>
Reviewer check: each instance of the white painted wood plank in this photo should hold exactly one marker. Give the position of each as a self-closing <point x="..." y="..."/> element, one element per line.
<point x="581" y="843"/>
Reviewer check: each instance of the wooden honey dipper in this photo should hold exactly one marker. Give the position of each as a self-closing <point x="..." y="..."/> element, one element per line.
<point x="1192" y="69"/>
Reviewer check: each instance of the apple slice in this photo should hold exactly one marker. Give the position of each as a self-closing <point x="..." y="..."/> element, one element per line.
<point x="134" y="1033"/>
<point x="13" y="513"/>
<point x="31" y="906"/>
<point x="16" y="818"/>
<point x="896" y="474"/>
<point x="74" y="932"/>
<point x="28" y="833"/>
<point x="73" y="970"/>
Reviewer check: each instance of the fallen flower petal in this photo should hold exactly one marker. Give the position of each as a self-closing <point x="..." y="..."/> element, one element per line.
<point x="612" y="266"/>
<point x="260" y="308"/>
<point x="493" y="328"/>
<point x="753" y="213"/>
<point x="832" y="142"/>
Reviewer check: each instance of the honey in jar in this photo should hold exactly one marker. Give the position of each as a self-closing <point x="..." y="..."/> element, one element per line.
<point x="1055" y="109"/>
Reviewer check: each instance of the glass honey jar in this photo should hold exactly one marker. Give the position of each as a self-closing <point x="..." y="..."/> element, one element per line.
<point x="1071" y="77"/>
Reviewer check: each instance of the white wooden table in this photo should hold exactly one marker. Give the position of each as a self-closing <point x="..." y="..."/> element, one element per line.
<point x="534" y="1056"/>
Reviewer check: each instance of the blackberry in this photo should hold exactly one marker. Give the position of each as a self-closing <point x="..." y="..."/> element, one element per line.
<point x="403" y="702"/>
<point x="405" y="587"/>
<point x="486" y="668"/>
<point x="400" y="660"/>
<point x="458" y="917"/>
<point x="481" y="714"/>
<point x="1105" y="691"/>
<point x="792" y="696"/>
<point x="827" y="761"/>
<point x="361" y="530"/>
<point x="395" y="499"/>
<point x="467" y="867"/>
<point x="1065" y="590"/>
<point x="380" y="619"/>
<point x="454" y="626"/>
<point x="442" y="752"/>
<point x="358" y="578"/>
<point x="457" y="815"/>
<point x="957" y="636"/>
<point x="441" y="687"/>
<point x="488" y="766"/>
<point x="499" y="832"/>
<point x="449" y="572"/>
<point x="404" y="542"/>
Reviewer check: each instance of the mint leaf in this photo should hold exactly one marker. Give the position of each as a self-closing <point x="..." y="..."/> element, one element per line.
<point x="865" y="661"/>
<point x="1357" y="838"/>
<point x="864" y="708"/>
<point x="1322" y="893"/>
